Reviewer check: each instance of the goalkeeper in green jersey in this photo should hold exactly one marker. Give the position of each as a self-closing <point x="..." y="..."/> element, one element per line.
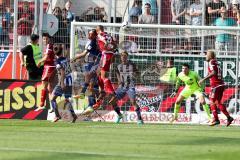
<point x="190" y="79"/>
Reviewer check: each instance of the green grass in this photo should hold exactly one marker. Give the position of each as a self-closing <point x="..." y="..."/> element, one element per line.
<point x="43" y="140"/>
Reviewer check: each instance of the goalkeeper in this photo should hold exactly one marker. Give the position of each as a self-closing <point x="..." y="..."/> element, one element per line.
<point x="190" y="79"/>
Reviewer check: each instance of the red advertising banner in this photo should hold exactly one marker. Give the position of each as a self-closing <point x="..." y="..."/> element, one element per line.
<point x="6" y="59"/>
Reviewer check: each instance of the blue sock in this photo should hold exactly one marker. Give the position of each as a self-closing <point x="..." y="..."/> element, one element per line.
<point x="54" y="104"/>
<point x="138" y="113"/>
<point x="70" y="107"/>
<point x="85" y="86"/>
<point x="117" y="110"/>
<point x="96" y="88"/>
<point x="91" y="100"/>
<point x="55" y="108"/>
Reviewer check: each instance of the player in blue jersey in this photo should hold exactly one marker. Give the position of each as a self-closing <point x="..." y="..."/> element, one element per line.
<point x="91" y="56"/>
<point x="64" y="86"/>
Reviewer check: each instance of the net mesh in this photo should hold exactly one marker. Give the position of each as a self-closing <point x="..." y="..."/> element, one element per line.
<point x="159" y="55"/>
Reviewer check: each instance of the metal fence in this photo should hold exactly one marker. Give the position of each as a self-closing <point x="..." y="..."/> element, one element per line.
<point x="16" y="30"/>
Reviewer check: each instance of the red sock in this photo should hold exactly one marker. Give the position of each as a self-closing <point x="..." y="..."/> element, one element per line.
<point x="214" y="111"/>
<point x="108" y="86"/>
<point x="223" y="110"/>
<point x="43" y="97"/>
<point x="100" y="83"/>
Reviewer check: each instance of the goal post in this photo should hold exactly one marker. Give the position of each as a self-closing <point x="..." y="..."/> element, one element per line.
<point x="159" y="52"/>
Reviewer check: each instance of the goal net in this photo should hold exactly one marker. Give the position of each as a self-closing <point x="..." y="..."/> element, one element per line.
<point x="159" y="52"/>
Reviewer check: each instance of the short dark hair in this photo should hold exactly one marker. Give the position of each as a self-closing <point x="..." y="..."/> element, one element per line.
<point x="34" y="37"/>
<point x="124" y="52"/>
<point x="101" y="27"/>
<point x="58" y="50"/>
<point x="46" y="35"/>
<point x="148" y="4"/>
<point x="186" y="65"/>
<point x="171" y="59"/>
<point x="94" y="31"/>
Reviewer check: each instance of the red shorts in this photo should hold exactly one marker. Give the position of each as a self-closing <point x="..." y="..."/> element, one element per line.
<point x="47" y="72"/>
<point x="216" y="94"/>
<point x="106" y="61"/>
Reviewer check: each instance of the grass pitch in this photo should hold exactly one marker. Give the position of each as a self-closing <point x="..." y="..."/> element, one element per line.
<point x="43" y="140"/>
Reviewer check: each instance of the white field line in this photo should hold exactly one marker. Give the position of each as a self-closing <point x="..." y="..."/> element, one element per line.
<point x="79" y="152"/>
<point x="175" y="127"/>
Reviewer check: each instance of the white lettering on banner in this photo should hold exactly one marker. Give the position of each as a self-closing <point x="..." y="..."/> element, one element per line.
<point x="150" y="101"/>
<point x="228" y="67"/>
<point x="197" y="68"/>
<point x="3" y="58"/>
<point x="153" y="117"/>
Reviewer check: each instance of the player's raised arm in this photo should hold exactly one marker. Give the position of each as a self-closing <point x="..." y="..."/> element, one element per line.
<point x="79" y="56"/>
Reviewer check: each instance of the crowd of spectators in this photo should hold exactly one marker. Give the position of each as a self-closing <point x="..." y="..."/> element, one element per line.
<point x="180" y="12"/>
<point x="191" y="12"/>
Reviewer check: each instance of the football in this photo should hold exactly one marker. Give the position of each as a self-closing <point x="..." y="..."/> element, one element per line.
<point x="125" y="25"/>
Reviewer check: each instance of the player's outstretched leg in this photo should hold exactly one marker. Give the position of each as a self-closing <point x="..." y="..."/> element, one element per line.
<point x="176" y="110"/>
<point x="43" y="96"/>
<point x="140" y="120"/>
<point x="207" y="110"/>
<point x="113" y="102"/>
<point x="55" y="108"/>
<point x="225" y="112"/>
<point x="91" y="102"/>
<point x="71" y="110"/>
<point x="120" y="116"/>
<point x="215" y="120"/>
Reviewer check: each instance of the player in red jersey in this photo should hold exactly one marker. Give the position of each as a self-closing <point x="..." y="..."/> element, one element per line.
<point x="107" y="47"/>
<point x="217" y="88"/>
<point x="48" y="71"/>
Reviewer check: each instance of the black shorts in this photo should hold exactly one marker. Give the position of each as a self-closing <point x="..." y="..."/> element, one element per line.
<point x="35" y="73"/>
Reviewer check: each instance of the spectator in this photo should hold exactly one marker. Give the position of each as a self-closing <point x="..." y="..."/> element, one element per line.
<point x="135" y="11"/>
<point x="25" y="24"/>
<point x="146" y="17"/>
<point x="236" y="10"/>
<point x="96" y="14"/>
<point x="196" y="13"/>
<point x="196" y="20"/>
<point x="33" y="55"/>
<point x="178" y="8"/>
<point x="214" y="10"/>
<point x="70" y="15"/>
<point x="224" y="41"/>
<point x="64" y="26"/>
<point x="5" y="19"/>
<point x="58" y="37"/>
<point x="154" y="7"/>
